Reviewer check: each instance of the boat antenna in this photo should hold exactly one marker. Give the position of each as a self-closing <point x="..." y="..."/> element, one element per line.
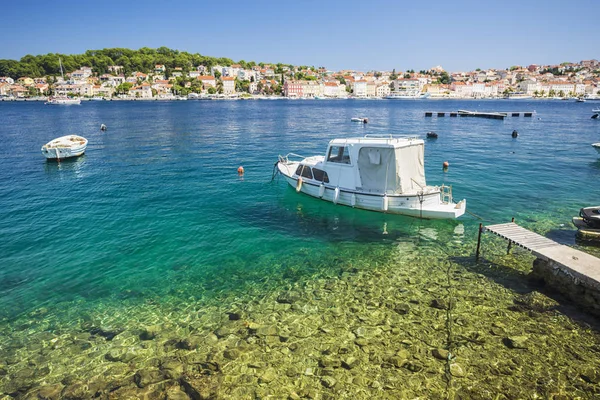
<point x="61" y="70"/>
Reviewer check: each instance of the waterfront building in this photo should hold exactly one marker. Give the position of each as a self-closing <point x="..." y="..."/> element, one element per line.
<point x="144" y="91"/>
<point x="207" y="80"/>
<point x="360" y="88"/>
<point x="312" y="89"/>
<point x="228" y="85"/>
<point x="293" y="88"/>
<point x="371" y="89"/>
<point x="383" y="90"/>
<point x="333" y="89"/>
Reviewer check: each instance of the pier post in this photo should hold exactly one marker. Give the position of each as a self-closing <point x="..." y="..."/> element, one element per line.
<point x="510" y="241"/>
<point x="478" y="242"/>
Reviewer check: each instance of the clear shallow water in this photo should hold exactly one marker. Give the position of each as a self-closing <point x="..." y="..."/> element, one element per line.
<point x="154" y="212"/>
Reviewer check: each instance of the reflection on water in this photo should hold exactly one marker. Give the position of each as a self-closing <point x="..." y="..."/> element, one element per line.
<point x="73" y="165"/>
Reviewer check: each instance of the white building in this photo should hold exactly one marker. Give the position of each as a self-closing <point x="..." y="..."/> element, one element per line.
<point x="360" y="88"/>
<point x="228" y="85"/>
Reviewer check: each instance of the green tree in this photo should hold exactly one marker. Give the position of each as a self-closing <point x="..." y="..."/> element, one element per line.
<point x="444" y="78"/>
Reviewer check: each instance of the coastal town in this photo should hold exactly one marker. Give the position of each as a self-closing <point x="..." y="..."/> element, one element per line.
<point x="580" y="80"/>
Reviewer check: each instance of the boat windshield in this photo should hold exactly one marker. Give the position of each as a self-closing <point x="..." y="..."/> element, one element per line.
<point x="339" y="154"/>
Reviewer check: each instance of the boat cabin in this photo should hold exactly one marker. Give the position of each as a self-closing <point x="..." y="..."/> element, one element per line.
<point x="372" y="164"/>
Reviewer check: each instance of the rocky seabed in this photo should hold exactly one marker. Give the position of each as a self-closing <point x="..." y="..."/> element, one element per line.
<point x="407" y="326"/>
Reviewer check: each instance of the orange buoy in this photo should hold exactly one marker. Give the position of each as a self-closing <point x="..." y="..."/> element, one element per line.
<point x="240" y="170"/>
<point x="446" y="164"/>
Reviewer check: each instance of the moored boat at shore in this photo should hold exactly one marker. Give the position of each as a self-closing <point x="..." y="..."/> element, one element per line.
<point x="378" y="173"/>
<point x="588" y="223"/>
<point x="65" y="147"/>
<point x="63" y="100"/>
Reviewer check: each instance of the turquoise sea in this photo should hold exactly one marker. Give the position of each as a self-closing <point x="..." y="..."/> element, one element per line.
<point x="148" y="267"/>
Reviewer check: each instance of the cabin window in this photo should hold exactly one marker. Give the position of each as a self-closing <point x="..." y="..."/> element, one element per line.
<point x="304" y="171"/>
<point x="339" y="154"/>
<point x="320" y="175"/>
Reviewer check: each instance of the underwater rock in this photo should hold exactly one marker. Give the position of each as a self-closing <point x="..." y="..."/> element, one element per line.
<point x="440" y="354"/>
<point x="402" y="309"/>
<point x="176" y="393"/>
<point x="350" y="362"/>
<point x="268" y="376"/>
<point x="226" y="330"/>
<point x="288" y="297"/>
<point x="150" y="332"/>
<point x="414" y="366"/>
<point x="443" y="304"/>
<point x="106" y="334"/>
<point x="119" y="354"/>
<point x="172" y="368"/>
<point x="50" y="392"/>
<point x="190" y="343"/>
<point x="591" y="375"/>
<point x="234" y="315"/>
<point x="456" y="370"/>
<point x="77" y="390"/>
<point x="328" y="362"/>
<point x="145" y="377"/>
<point x="328" y="381"/>
<point x="232" y="354"/>
<point x="516" y="342"/>
<point x="536" y="301"/>
<point x="367" y="332"/>
<point x="266" y="330"/>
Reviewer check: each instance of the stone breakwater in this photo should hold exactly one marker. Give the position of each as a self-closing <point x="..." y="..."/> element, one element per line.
<point x="426" y="327"/>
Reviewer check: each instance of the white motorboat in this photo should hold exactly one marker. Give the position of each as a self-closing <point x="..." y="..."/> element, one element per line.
<point x="65" y="147"/>
<point x="596" y="110"/>
<point x="407" y="95"/>
<point x="379" y="173"/>
<point x="596" y="146"/>
<point x="64" y="100"/>
<point x="97" y="98"/>
<point x="360" y="119"/>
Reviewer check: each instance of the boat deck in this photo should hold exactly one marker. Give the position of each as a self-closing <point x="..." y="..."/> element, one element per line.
<point x="581" y="265"/>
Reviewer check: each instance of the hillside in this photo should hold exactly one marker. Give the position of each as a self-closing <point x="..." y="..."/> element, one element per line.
<point x="142" y="60"/>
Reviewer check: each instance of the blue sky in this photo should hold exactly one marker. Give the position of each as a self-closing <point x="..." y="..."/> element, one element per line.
<point x="362" y="35"/>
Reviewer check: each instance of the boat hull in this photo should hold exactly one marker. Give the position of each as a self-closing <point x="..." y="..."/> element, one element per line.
<point x="65" y="147"/>
<point x="584" y="231"/>
<point x="427" y="206"/>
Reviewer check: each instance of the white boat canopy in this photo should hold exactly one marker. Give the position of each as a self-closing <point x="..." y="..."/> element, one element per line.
<point x="385" y="165"/>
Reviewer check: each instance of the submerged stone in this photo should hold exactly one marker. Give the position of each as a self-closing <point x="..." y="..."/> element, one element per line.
<point x="328" y="381"/>
<point x="440" y="354"/>
<point x="456" y="370"/>
<point x="150" y="332"/>
<point x="145" y="377"/>
<point x="516" y="342"/>
<point x="50" y="392"/>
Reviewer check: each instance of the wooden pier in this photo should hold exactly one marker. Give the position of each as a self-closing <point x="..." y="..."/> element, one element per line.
<point x="476" y="114"/>
<point x="572" y="272"/>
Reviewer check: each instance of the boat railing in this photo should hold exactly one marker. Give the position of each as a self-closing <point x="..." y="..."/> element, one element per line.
<point x="286" y="158"/>
<point x="388" y="136"/>
<point x="446" y="193"/>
